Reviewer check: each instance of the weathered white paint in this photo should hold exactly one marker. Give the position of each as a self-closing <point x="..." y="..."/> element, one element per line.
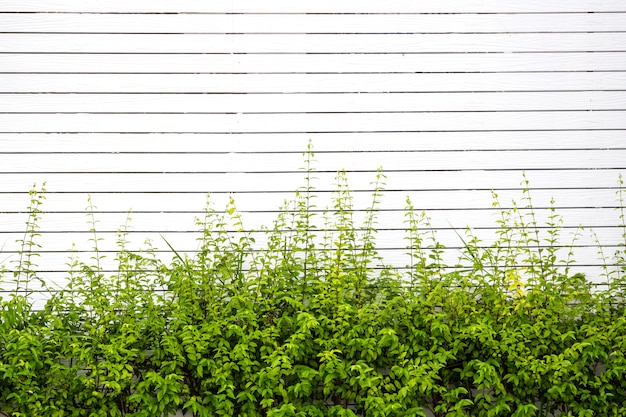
<point x="251" y="163"/>
<point x="314" y="103"/>
<point x="326" y="63"/>
<point x="306" y="123"/>
<point x="311" y="83"/>
<point x="311" y="23"/>
<point x="287" y="182"/>
<point x="321" y="6"/>
<point x="305" y="43"/>
<point x="148" y="105"/>
<point x="294" y="143"/>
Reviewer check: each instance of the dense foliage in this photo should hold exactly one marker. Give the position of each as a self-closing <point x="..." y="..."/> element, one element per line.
<point x="313" y="324"/>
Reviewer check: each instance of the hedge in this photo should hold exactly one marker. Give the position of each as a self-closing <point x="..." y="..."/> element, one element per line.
<point x="314" y="323"/>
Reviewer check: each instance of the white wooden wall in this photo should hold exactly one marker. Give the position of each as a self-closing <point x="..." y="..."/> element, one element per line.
<point x="147" y="105"/>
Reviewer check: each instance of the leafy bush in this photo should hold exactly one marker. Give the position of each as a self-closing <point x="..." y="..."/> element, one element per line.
<point x="314" y="324"/>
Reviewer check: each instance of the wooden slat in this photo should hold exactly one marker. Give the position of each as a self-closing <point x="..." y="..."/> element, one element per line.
<point x="333" y="122"/>
<point x="297" y="143"/>
<point x="432" y="200"/>
<point x="312" y="83"/>
<point x="323" y="43"/>
<point x="303" y="23"/>
<point x="342" y="103"/>
<point x="321" y="6"/>
<point x="187" y="239"/>
<point x="289" y="182"/>
<point x="328" y="63"/>
<point x="250" y="163"/>
<point x="478" y="219"/>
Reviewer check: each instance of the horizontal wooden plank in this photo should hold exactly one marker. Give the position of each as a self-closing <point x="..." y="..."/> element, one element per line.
<point x="341" y="103"/>
<point x="251" y="163"/>
<point x="320" y="6"/>
<point x="254" y="202"/>
<point x="587" y="262"/>
<point x="354" y="144"/>
<point x="391" y="244"/>
<point x="289" y="182"/>
<point x="311" y="83"/>
<point x="188" y="239"/>
<point x="311" y="23"/>
<point x="487" y="218"/>
<point x="328" y="63"/>
<point x="303" y="43"/>
<point x="312" y="122"/>
<point x="388" y="220"/>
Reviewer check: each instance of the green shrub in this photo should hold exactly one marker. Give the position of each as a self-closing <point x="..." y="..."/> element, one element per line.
<point x="315" y="324"/>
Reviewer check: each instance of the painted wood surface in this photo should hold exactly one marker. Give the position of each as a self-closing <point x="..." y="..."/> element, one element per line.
<point x="321" y="6"/>
<point x="149" y="105"/>
<point x="247" y="23"/>
<point x="326" y="63"/>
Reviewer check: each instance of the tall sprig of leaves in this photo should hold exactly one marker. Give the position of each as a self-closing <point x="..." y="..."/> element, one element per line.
<point x="369" y="254"/>
<point x="25" y="267"/>
<point x="343" y="260"/>
<point x="305" y="239"/>
<point x="529" y="241"/>
<point x="618" y="281"/>
<point x="426" y="263"/>
<point x="415" y="248"/>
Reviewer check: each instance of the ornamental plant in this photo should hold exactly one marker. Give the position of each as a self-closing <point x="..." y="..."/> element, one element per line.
<point x="314" y="323"/>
